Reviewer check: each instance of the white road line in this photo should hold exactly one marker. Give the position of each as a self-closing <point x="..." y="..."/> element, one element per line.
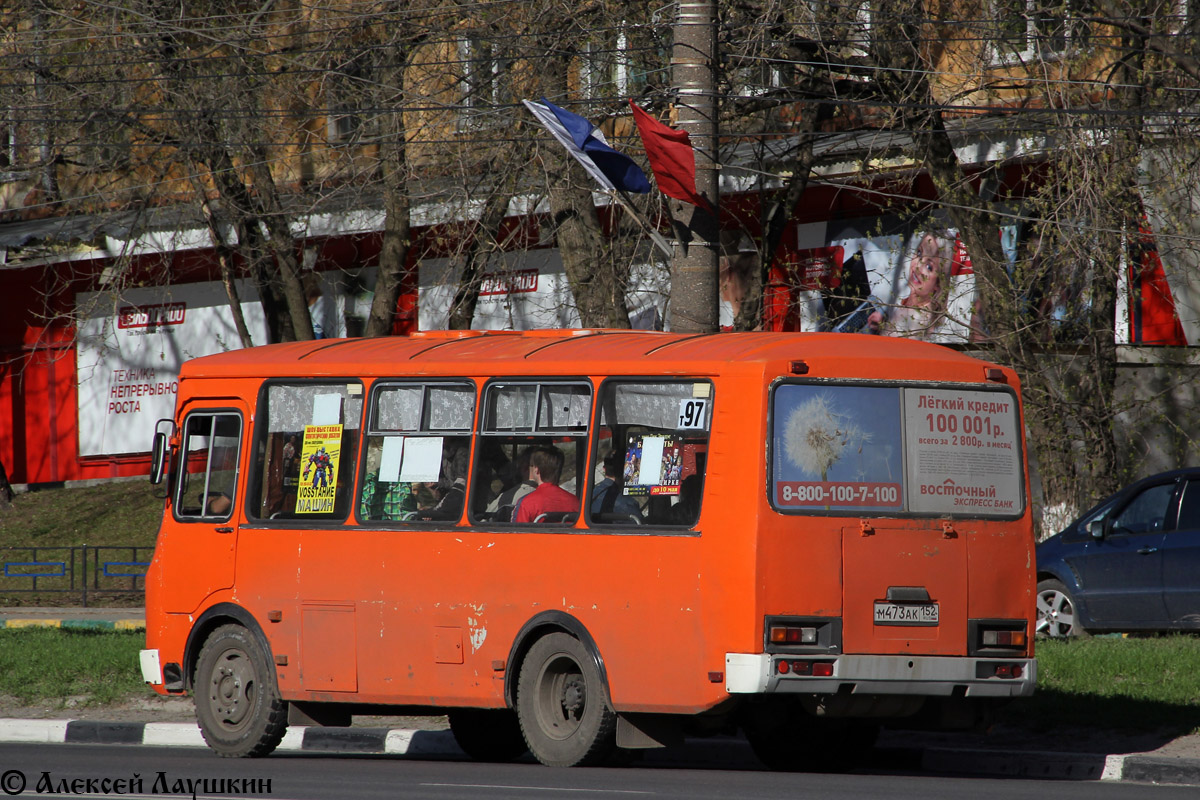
<point x="534" y="788"/>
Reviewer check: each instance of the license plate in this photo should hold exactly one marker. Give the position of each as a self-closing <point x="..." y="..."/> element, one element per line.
<point x="906" y="613"/>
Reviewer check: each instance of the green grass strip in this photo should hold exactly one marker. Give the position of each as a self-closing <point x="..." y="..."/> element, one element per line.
<point x="94" y="667"/>
<point x="1137" y="684"/>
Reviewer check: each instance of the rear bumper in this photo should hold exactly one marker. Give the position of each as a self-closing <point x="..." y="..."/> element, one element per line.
<point x="929" y="676"/>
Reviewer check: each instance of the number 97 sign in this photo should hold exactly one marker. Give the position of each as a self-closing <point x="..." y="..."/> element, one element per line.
<point x="693" y="414"/>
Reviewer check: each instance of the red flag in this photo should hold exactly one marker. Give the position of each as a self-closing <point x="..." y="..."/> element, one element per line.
<point x="671" y="157"/>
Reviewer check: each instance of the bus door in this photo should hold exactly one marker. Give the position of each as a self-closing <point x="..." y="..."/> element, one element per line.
<point x="904" y="588"/>
<point x="205" y="504"/>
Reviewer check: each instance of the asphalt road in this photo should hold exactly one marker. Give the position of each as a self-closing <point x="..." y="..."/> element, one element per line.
<point x="81" y="770"/>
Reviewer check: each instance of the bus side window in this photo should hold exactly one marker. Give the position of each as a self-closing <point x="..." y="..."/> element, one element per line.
<point x="418" y="447"/>
<point x="533" y="444"/>
<point x="306" y="445"/>
<point x="651" y="453"/>
<point x="208" y="482"/>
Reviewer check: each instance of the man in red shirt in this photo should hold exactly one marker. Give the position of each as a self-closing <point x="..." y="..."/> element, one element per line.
<point x="545" y="469"/>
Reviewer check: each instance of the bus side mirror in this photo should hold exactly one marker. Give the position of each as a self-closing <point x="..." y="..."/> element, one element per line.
<point x="160" y="452"/>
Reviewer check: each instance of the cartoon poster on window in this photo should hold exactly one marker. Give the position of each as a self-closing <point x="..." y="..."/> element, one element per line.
<point x="319" y="455"/>
<point x="652" y="465"/>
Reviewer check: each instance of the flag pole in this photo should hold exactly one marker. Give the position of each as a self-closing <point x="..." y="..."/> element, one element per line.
<point x="657" y="238"/>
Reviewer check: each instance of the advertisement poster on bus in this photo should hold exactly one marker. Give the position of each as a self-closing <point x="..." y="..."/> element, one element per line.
<point x="837" y="448"/>
<point x="963" y="452"/>
<point x="320" y="453"/>
<point x="653" y="465"/>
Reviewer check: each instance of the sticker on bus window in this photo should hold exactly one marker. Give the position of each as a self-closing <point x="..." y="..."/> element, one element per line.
<point x="693" y="413"/>
<point x="838" y="448"/>
<point x="320" y="453"/>
<point x="653" y="465"/>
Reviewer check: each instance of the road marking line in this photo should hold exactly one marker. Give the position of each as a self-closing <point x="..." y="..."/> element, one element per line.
<point x="534" y="788"/>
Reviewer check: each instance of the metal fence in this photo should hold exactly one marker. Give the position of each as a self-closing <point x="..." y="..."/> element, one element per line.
<point x="82" y="571"/>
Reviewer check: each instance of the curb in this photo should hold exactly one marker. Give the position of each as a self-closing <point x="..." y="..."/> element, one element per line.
<point x="392" y="741"/>
<point x="77" y="624"/>
<point x="721" y="752"/>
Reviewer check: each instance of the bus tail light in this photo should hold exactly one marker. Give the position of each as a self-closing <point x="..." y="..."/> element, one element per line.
<point x="1009" y="671"/>
<point x="1004" y="638"/>
<point x="793" y="634"/>
<point x="997" y="637"/>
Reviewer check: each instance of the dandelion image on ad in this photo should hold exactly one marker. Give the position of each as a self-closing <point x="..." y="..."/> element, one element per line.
<point x="837" y="447"/>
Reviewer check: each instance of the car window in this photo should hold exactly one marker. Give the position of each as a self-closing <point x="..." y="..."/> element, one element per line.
<point x="1147" y="512"/>
<point x="1189" y="507"/>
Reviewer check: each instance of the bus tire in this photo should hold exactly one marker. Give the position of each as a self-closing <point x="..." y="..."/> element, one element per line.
<point x="563" y="705"/>
<point x="238" y="706"/>
<point x="487" y="734"/>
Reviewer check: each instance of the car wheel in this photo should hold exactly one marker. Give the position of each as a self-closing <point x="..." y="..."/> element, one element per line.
<point x="1057" y="615"/>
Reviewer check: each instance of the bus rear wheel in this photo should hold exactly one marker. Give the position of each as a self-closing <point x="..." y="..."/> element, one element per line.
<point x="237" y="701"/>
<point x="487" y="734"/>
<point x="563" y="706"/>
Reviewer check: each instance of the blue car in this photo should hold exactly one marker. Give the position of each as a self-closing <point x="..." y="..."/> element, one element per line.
<point x="1130" y="564"/>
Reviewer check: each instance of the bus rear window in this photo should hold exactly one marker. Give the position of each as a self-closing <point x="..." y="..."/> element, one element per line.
<point x="933" y="451"/>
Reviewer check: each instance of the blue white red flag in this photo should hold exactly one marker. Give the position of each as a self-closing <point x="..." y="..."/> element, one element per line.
<point x="583" y="140"/>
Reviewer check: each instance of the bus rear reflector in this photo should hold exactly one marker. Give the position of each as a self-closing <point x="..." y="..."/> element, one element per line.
<point x="819" y="669"/>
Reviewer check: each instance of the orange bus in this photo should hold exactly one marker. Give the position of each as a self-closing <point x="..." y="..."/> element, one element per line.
<point x="577" y="541"/>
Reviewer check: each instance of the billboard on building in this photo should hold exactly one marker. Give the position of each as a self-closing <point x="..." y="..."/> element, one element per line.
<point x="130" y="349"/>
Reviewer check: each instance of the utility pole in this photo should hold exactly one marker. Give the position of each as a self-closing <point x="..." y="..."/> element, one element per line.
<point x="695" y="266"/>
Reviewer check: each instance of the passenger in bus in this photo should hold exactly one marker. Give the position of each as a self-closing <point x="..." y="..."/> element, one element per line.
<point x="385" y="500"/>
<point x="545" y="469"/>
<point x="501" y="509"/>
<point x="687" y="510"/>
<point x="217" y="504"/>
<point x="608" y="498"/>
<point x="452" y="488"/>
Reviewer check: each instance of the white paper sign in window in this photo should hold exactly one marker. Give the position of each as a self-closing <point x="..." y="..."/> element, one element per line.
<point x="422" y="459"/>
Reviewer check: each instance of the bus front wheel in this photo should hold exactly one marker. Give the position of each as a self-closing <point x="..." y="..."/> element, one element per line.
<point x="563" y="706"/>
<point x="237" y="701"/>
